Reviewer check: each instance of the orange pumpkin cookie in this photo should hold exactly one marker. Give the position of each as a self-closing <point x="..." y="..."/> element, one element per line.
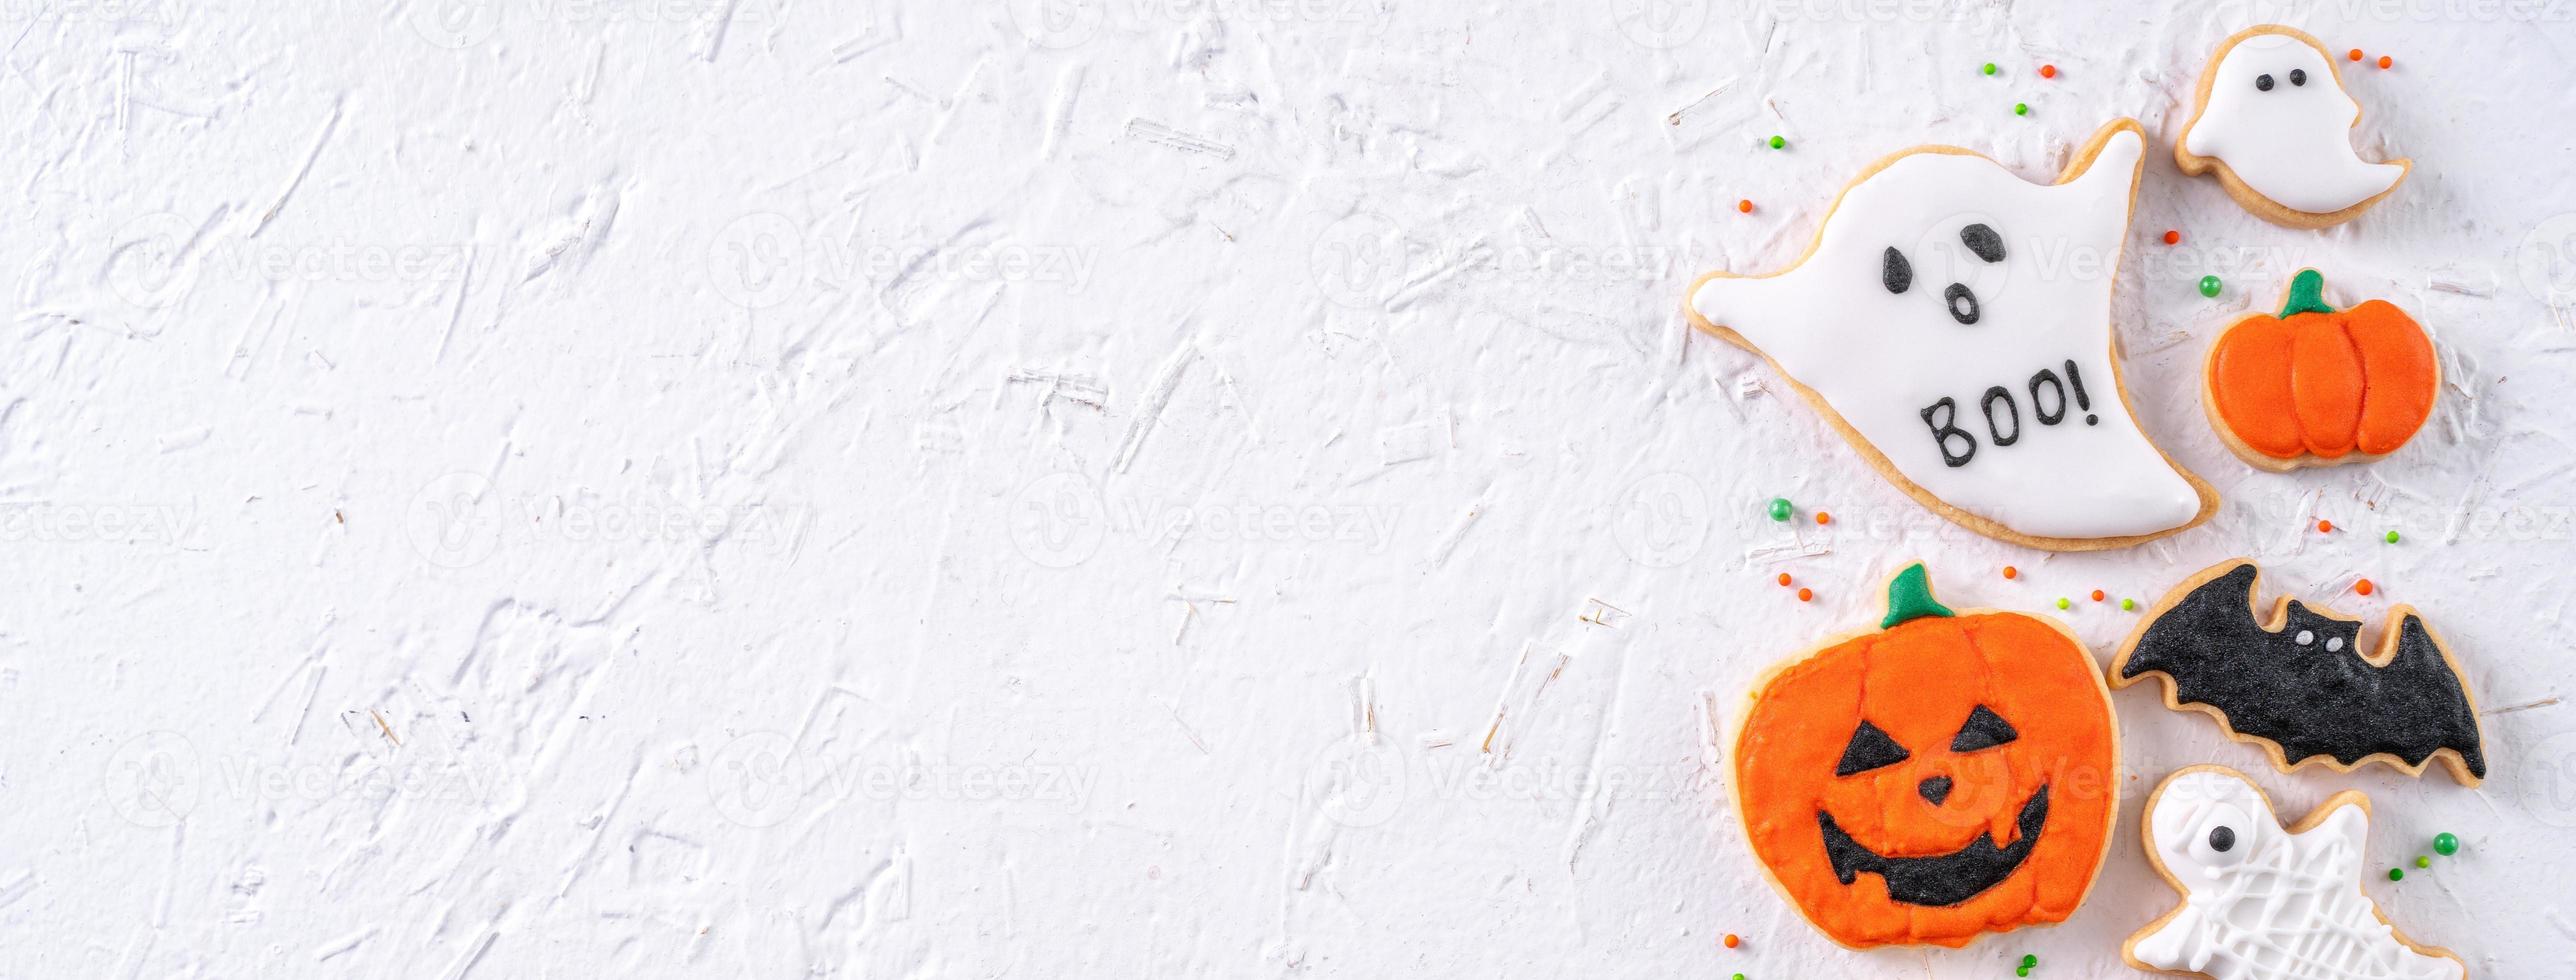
<point x="2317" y="386"/>
<point x="1945" y="775"/>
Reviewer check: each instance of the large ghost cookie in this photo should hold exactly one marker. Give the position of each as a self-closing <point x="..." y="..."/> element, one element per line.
<point x="2276" y="124"/>
<point x="1954" y="322"/>
<point x="2265" y="902"/>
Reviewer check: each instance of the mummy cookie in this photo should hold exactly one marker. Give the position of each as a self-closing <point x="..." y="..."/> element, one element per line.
<point x="1945" y="775"/>
<point x="2265" y="902"/>
<point x="1953" y="322"/>
<point x="2275" y="124"/>
<point x="2299" y="685"/>
<point x="2317" y="386"/>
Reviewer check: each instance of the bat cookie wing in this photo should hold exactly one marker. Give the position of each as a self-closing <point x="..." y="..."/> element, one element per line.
<point x="2299" y="683"/>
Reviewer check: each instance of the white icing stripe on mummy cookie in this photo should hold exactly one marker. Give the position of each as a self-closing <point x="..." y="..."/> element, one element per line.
<point x="1957" y="317"/>
<point x="2261" y="902"/>
<point x="2278" y="117"/>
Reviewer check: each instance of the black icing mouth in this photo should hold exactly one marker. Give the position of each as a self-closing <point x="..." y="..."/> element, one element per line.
<point x="1962" y="303"/>
<point x="1938" y="881"/>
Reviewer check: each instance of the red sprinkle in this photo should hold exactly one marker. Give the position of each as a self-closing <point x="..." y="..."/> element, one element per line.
<point x="2173" y="237"/>
<point x="1805" y="595"/>
<point x="1824" y="518"/>
<point x="1731" y="940"/>
<point x="1744" y="206"/>
<point x="2386" y="61"/>
<point x="2354" y="54"/>
<point x="2325" y="527"/>
<point x="1784" y="578"/>
<point x="2364" y="587"/>
<point x="2011" y="572"/>
<point x="2048" y="71"/>
<point x="2097" y="595"/>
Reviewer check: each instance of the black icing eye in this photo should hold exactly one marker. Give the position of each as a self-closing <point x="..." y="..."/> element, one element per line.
<point x="1984" y="730"/>
<point x="2298" y="76"/>
<point x="1869" y="749"/>
<point x="1894" y="271"/>
<point x="2222" y="839"/>
<point x="2262" y="83"/>
<point x="1983" y="241"/>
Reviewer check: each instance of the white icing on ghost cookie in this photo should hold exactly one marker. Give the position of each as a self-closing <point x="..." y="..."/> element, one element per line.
<point x="1954" y="319"/>
<point x="2261" y="902"/>
<point x="2274" y="114"/>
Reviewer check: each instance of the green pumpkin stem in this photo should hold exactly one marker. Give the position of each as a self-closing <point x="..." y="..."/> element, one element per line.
<point x="2307" y="294"/>
<point x="1909" y="597"/>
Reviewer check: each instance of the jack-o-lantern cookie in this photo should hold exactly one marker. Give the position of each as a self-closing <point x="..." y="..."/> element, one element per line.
<point x="2265" y="902"/>
<point x="2276" y="125"/>
<point x="1945" y="775"/>
<point x="1953" y="321"/>
<point x="2317" y="386"/>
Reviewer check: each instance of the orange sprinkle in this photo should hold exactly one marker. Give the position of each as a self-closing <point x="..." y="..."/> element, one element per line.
<point x="2386" y="61"/>
<point x="2011" y="572"/>
<point x="1824" y="518"/>
<point x="1805" y="595"/>
<point x="2325" y="527"/>
<point x="2354" y="54"/>
<point x="1744" y="206"/>
<point x="2097" y="595"/>
<point x="2364" y="587"/>
<point x="2173" y="237"/>
<point x="2048" y="71"/>
<point x="1731" y="940"/>
<point x="1784" y="578"/>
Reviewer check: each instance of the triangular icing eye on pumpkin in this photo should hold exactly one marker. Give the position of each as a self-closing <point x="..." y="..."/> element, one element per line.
<point x="1984" y="730"/>
<point x="1870" y="749"/>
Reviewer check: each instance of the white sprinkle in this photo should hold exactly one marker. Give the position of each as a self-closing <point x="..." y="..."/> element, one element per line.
<point x="2305" y="637"/>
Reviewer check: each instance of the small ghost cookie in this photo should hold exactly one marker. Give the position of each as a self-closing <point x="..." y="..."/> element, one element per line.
<point x="2318" y="386"/>
<point x="2275" y="123"/>
<point x="1953" y="321"/>
<point x="2265" y="902"/>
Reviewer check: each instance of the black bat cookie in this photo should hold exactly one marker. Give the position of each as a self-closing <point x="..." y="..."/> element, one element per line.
<point x="2300" y="682"/>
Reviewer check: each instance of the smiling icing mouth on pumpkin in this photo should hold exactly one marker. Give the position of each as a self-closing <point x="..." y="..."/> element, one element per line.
<point x="1946" y="879"/>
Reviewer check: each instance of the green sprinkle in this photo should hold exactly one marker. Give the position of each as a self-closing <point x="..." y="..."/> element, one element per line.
<point x="2396" y="874"/>
<point x="1777" y="142"/>
<point x="2128" y="604"/>
<point x="2423" y="862"/>
<point x="2029" y="960"/>
<point x="2209" y="286"/>
<point x="2021" y="108"/>
<point x="1990" y="68"/>
<point x="2391" y="538"/>
<point x="1780" y="509"/>
<point x="2063" y="602"/>
<point x="1739" y="976"/>
<point x="2445" y="845"/>
<point x="2021" y="971"/>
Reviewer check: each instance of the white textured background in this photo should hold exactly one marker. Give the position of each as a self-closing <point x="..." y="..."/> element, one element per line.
<point x="1143" y="488"/>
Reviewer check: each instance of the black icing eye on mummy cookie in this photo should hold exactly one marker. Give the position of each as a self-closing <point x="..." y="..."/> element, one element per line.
<point x="2275" y="124"/>
<point x="1952" y="319"/>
